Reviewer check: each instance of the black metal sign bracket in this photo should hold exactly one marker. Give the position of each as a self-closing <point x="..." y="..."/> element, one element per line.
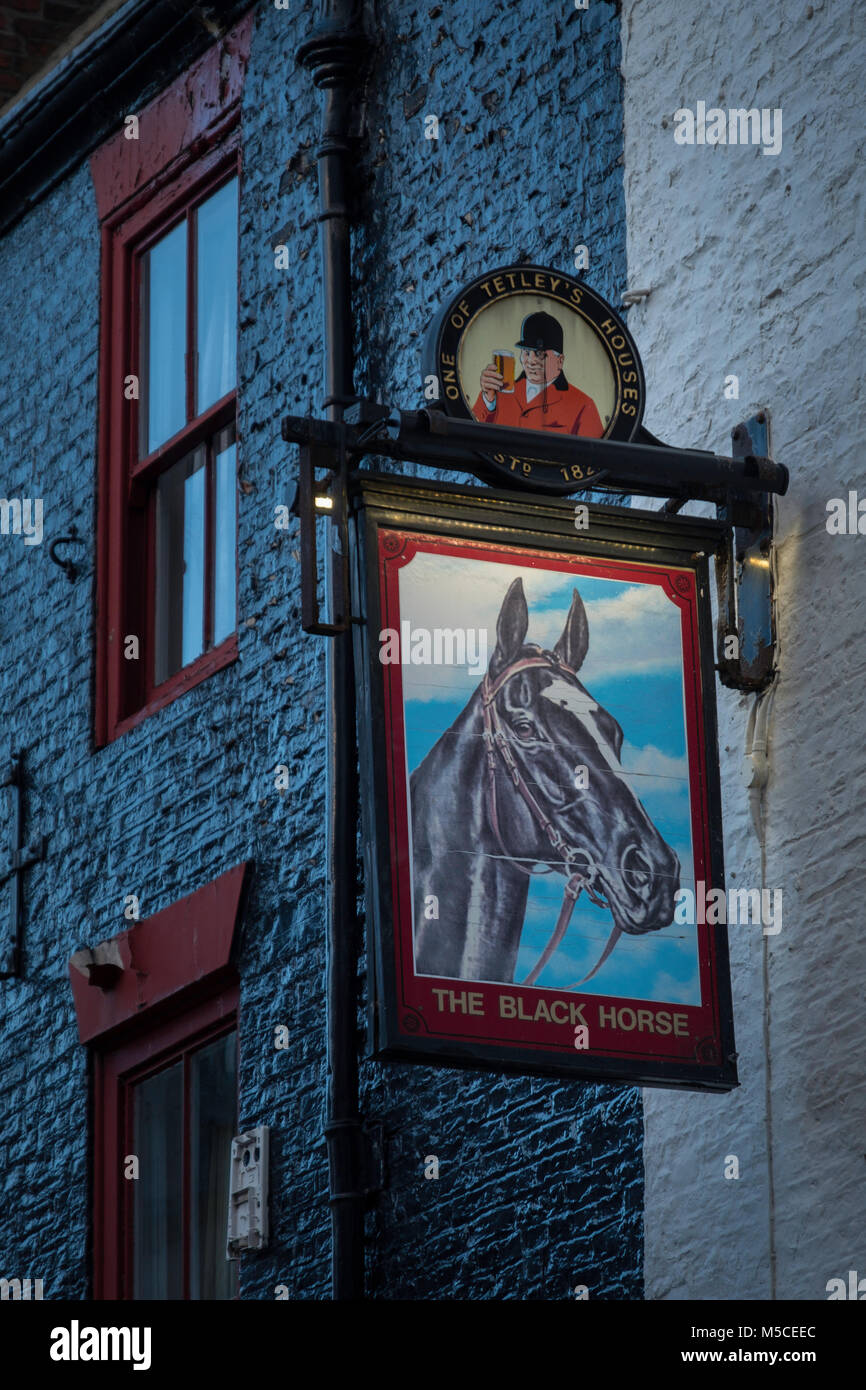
<point x="440" y="441"/>
<point x="746" y="632"/>
<point x="315" y="499"/>
<point x="741" y="487"/>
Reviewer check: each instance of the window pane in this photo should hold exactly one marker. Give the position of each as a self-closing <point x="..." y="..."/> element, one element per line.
<point x="157" y="1192"/>
<point x="163" y="317"/>
<point x="217" y="295"/>
<point x="213" y="1090"/>
<point x="225" y="539"/>
<point x="180" y="510"/>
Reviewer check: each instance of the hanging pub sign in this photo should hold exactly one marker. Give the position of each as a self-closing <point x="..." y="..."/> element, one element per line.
<point x="540" y="786"/>
<point x="532" y="348"/>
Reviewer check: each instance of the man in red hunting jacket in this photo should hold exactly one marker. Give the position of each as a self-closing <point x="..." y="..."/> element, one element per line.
<point x="542" y="398"/>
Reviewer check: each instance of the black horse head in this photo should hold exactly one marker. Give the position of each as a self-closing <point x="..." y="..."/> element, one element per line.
<point x="528" y="774"/>
<point x="566" y="747"/>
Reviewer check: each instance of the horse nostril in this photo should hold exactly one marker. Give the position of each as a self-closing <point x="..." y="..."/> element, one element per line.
<point x="637" y="869"/>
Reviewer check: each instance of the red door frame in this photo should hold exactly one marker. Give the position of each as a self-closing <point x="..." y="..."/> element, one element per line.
<point x="115" y="1072"/>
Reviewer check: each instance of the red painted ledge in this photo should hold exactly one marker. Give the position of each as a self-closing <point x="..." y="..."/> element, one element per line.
<point x="174" y="120"/>
<point x="187" y="943"/>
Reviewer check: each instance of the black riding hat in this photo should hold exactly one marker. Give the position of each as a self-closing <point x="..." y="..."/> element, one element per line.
<point x="541" y="331"/>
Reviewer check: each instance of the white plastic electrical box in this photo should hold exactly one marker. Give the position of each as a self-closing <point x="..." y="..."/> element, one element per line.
<point x="248" y="1193"/>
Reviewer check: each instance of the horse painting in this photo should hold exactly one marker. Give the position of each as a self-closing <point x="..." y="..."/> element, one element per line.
<point x="497" y="799"/>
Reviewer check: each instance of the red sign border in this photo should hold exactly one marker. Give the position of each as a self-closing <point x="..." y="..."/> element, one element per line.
<point x="418" y="1008"/>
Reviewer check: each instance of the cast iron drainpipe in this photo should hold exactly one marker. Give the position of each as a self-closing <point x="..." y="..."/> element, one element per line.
<point x="333" y="55"/>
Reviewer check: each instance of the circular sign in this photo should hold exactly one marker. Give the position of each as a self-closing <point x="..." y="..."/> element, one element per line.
<point x="532" y="348"/>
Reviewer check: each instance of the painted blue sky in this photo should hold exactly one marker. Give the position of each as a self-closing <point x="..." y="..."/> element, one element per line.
<point x="634" y="669"/>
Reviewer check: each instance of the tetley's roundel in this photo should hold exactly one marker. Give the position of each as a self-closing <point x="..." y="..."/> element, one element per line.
<point x="533" y="348"/>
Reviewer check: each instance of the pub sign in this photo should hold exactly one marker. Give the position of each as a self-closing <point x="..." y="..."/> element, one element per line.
<point x="532" y="348"/>
<point x="539" y="780"/>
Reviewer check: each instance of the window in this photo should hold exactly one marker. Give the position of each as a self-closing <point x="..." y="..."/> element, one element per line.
<point x="186" y="469"/>
<point x="195" y="565"/>
<point x="178" y="1115"/>
<point x="176" y="524"/>
<point x="168" y="1111"/>
<point x="164" y="1035"/>
<point x="168" y="489"/>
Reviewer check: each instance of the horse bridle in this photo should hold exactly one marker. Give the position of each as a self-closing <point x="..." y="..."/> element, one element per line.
<point x="579" y="880"/>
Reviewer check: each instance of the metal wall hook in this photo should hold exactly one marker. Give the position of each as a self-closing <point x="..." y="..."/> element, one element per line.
<point x="70" y="569"/>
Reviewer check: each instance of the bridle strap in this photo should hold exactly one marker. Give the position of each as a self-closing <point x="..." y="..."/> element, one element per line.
<point x="572" y="893"/>
<point x="495" y="740"/>
<point x="489" y="690"/>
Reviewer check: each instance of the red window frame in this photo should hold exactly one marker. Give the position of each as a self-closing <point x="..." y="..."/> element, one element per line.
<point x="116" y="1073"/>
<point x="177" y="988"/>
<point x="128" y="566"/>
<point x="189" y="143"/>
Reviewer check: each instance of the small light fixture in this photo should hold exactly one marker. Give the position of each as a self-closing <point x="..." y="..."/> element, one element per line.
<point x="323" y="504"/>
<point x="101" y="965"/>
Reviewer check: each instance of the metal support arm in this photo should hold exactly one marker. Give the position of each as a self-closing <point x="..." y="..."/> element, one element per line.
<point x="742" y="488"/>
<point x="440" y="441"/>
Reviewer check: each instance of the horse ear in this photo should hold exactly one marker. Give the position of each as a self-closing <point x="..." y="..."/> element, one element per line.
<point x="572" y="645"/>
<point x="511" y="626"/>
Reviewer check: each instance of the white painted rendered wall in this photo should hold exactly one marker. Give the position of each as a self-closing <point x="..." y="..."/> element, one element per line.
<point x="757" y="266"/>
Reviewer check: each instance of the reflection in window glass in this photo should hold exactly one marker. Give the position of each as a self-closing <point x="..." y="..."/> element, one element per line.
<point x="217" y="295"/>
<point x="225" y="544"/>
<point x="158" y="1190"/>
<point x="180" y="558"/>
<point x="213" y="1087"/>
<point x="163" y="320"/>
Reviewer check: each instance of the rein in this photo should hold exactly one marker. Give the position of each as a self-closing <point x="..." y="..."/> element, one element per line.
<point x="579" y="880"/>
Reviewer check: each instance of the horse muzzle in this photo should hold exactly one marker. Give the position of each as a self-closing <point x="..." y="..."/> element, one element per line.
<point x="641" y="892"/>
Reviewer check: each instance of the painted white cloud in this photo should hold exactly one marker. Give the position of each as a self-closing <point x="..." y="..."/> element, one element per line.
<point x="446" y="591"/>
<point x="636" y="631"/>
<point x="652" y="762"/>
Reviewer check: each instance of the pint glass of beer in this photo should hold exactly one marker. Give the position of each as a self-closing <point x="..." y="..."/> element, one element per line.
<point x="504" y="363"/>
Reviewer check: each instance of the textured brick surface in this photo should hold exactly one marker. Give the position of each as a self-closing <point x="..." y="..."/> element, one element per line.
<point x="756" y="265"/>
<point x="30" y="30"/>
<point x="541" y="1181"/>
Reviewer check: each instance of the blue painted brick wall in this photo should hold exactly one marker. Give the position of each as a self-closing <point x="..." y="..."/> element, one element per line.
<point x="541" y="1181"/>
